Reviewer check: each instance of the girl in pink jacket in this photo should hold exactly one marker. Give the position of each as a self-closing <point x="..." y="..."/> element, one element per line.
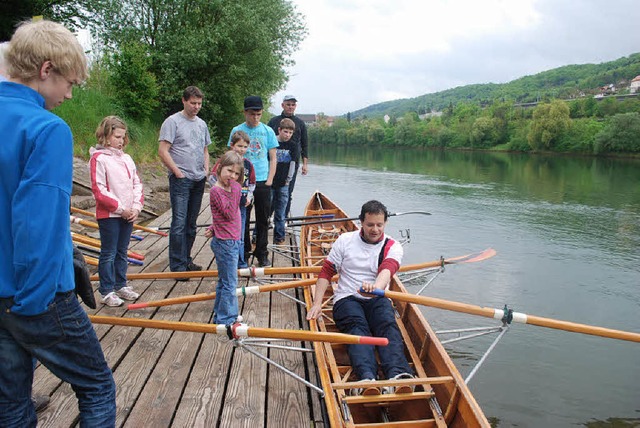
<point x="119" y="200"/>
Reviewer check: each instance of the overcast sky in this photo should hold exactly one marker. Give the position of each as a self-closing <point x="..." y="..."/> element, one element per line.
<point x="361" y="52"/>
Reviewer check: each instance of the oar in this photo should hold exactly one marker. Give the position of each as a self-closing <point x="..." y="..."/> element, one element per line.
<point x="288" y="219"/>
<point x="94" y="250"/>
<point x="240" y="330"/>
<point x="517" y="316"/>
<point x="257" y="272"/>
<point x="135" y="226"/>
<point x="95" y="244"/>
<point x="241" y="291"/>
<point x="92" y="261"/>
<point x="340" y="220"/>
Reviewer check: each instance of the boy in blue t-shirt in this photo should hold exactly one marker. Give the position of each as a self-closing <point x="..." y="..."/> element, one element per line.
<point x="286" y="155"/>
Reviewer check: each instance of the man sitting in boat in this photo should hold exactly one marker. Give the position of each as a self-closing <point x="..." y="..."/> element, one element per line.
<point x="366" y="258"/>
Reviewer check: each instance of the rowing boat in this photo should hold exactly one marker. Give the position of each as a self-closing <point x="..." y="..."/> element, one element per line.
<point x="441" y="397"/>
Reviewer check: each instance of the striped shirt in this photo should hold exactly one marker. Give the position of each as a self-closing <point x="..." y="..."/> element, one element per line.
<point x="225" y="211"/>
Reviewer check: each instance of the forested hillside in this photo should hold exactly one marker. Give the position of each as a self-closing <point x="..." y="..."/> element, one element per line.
<point x="566" y="82"/>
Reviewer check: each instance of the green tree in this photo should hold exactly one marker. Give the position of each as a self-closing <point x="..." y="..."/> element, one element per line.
<point x="134" y="85"/>
<point x="622" y="134"/>
<point x="483" y="133"/>
<point x="550" y="121"/>
<point x="71" y="13"/>
<point x="228" y="49"/>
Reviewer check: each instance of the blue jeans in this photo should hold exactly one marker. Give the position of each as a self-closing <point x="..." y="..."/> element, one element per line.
<point x="186" y="200"/>
<point x="279" y="200"/>
<point x="242" y="263"/>
<point x="115" y="234"/>
<point x="372" y="317"/>
<point x="63" y="340"/>
<point x="225" y="308"/>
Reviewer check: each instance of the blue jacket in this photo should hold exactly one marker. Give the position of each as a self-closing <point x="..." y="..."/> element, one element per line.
<point x="36" y="173"/>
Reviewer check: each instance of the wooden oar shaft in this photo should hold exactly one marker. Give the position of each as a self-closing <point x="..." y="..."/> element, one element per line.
<point x="302" y="335"/>
<point x="135" y="226"/>
<point x="86" y="223"/>
<point x="210" y="296"/>
<point x="90" y="242"/>
<point x="517" y="316"/>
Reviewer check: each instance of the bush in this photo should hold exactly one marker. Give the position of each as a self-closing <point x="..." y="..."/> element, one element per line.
<point x="135" y="87"/>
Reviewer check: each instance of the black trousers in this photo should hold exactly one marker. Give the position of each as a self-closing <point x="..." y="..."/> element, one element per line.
<point x="262" y="205"/>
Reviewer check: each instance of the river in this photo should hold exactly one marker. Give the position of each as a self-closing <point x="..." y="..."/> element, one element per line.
<point x="567" y="235"/>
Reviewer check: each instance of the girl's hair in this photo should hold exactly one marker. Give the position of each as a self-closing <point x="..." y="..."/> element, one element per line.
<point x="240" y="135"/>
<point x="106" y="128"/>
<point x="35" y="42"/>
<point x="228" y="159"/>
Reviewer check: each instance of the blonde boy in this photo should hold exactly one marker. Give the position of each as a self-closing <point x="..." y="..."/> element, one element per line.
<point x="40" y="317"/>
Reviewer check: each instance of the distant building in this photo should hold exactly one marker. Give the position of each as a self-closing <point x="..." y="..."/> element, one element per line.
<point x="609" y="89"/>
<point x="635" y="85"/>
<point x="315" y="119"/>
<point x="308" y="119"/>
<point x="430" y="114"/>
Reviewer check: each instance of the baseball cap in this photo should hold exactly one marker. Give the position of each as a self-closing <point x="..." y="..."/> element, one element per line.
<point x="253" y="102"/>
<point x="289" y="98"/>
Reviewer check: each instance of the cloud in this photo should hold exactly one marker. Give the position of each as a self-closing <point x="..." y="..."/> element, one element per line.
<point x="361" y="52"/>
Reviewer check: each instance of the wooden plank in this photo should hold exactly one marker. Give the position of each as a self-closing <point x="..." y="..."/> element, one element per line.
<point x="286" y="404"/>
<point x="248" y="374"/>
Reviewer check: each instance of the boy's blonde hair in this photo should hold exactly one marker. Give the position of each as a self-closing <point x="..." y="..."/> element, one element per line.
<point x="228" y="159"/>
<point x="287" y="123"/>
<point x="240" y="135"/>
<point x="35" y="42"/>
<point x="106" y="128"/>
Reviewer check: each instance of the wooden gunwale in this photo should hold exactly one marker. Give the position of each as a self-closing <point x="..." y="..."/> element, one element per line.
<point x="440" y="384"/>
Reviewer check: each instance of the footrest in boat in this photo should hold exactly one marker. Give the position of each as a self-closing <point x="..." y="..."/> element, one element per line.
<point x="382" y="399"/>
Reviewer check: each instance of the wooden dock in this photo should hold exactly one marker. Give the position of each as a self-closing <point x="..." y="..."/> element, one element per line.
<point x="177" y="379"/>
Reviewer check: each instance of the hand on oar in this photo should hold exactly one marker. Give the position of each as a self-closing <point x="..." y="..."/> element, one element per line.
<point x="241" y="330"/>
<point x="510" y="315"/>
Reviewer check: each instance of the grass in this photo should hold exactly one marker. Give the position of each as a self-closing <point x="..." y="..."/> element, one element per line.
<point x="88" y="107"/>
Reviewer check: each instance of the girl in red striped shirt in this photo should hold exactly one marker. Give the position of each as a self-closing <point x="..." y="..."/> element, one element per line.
<point x="225" y="234"/>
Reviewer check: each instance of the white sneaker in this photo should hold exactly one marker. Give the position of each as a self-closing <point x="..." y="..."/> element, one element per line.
<point x="401" y="389"/>
<point x="127" y="293"/>
<point x="239" y="319"/>
<point x="112" y="299"/>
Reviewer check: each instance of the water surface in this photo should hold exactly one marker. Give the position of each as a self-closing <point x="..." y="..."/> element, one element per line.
<point x="567" y="233"/>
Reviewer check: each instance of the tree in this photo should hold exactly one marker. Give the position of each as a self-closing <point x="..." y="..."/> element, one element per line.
<point x="550" y="121"/>
<point x="483" y="132"/>
<point x="228" y="49"/>
<point x="71" y="13"/>
<point x="135" y="87"/>
<point x="622" y="134"/>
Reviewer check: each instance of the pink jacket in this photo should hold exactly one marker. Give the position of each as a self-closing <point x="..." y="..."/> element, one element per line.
<point x="114" y="182"/>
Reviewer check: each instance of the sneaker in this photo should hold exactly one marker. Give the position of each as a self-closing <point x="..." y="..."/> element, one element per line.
<point x="371" y="390"/>
<point x="401" y="389"/>
<point x="278" y="241"/>
<point x="193" y="267"/>
<point x="112" y="299"/>
<point x="127" y="293"/>
<point x="239" y="319"/>
<point x="264" y="262"/>
<point x="40" y="402"/>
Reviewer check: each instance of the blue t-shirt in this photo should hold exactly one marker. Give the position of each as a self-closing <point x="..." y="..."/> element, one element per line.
<point x="262" y="139"/>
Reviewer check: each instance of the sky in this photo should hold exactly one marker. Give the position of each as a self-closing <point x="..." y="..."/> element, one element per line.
<point x="362" y="52"/>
